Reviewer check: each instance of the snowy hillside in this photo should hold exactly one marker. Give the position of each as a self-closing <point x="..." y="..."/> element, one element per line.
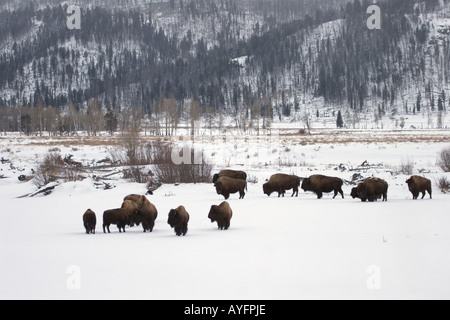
<point x="304" y="60"/>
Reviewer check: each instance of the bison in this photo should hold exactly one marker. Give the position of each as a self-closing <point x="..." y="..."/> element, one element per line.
<point x="417" y="184"/>
<point x="371" y="189"/>
<point x="226" y="186"/>
<point x="280" y="183"/>
<point x="222" y="214"/>
<point x="320" y="184"/>
<point x="178" y="219"/>
<point x="90" y="221"/>
<point x="119" y="217"/>
<point x="146" y="212"/>
<point x="241" y="175"/>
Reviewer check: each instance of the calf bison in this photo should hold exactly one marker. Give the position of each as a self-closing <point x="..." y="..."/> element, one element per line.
<point x="221" y="214"/>
<point x="226" y="186"/>
<point x="119" y="217"/>
<point x="178" y="219"/>
<point x="417" y="185"/>
<point x="371" y="189"/>
<point x="241" y="175"/>
<point x="320" y="184"/>
<point x="146" y="212"/>
<point x="280" y="183"/>
<point x="90" y="221"/>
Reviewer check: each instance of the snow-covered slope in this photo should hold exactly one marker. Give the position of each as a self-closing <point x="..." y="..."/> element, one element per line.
<point x="276" y="248"/>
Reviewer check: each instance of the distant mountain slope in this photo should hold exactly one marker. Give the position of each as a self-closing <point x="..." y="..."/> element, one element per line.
<point x="295" y="57"/>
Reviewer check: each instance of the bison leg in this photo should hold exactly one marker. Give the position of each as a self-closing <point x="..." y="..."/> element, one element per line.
<point x="424" y="193"/>
<point x="319" y="195"/>
<point x="429" y="191"/>
<point x="185" y="229"/>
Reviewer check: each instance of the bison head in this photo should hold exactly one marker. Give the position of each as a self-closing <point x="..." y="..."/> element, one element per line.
<point x="410" y="181"/>
<point x="215" y="178"/>
<point x="306" y="184"/>
<point x="267" y="189"/>
<point x="213" y="214"/>
<point x="173" y="218"/>
<point x="219" y="186"/>
<point x="354" y="193"/>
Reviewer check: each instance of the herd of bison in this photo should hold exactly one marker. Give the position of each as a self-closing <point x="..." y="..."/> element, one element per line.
<point x="136" y="209"/>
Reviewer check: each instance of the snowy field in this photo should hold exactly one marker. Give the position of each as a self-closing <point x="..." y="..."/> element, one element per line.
<point x="276" y="248"/>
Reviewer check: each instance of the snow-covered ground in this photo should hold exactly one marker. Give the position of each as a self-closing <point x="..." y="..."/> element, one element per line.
<point x="276" y="248"/>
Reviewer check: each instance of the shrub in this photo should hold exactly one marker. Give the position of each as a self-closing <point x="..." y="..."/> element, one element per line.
<point x="443" y="160"/>
<point x="443" y="184"/>
<point x="54" y="168"/>
<point x="166" y="171"/>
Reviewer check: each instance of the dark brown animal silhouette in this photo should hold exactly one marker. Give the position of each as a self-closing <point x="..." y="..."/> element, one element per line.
<point x="179" y="219"/>
<point x="230" y="174"/>
<point x="371" y="189"/>
<point x="89" y="221"/>
<point x="280" y="183"/>
<point x="226" y="186"/>
<point x="146" y="212"/>
<point x="320" y="184"/>
<point x="221" y="214"/>
<point x="119" y="217"/>
<point x="417" y="185"/>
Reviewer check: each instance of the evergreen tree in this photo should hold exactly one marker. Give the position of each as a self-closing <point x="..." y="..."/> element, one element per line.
<point x="110" y="121"/>
<point x="339" y="121"/>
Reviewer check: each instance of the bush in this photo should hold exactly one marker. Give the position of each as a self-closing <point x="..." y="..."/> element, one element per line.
<point x="166" y="171"/>
<point x="443" y="160"/>
<point x="443" y="184"/>
<point x="407" y="166"/>
<point x="54" y="168"/>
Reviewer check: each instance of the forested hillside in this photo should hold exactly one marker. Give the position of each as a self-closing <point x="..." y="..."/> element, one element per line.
<point x="186" y="59"/>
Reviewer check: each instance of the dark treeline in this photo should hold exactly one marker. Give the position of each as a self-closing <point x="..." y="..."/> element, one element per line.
<point x="123" y="59"/>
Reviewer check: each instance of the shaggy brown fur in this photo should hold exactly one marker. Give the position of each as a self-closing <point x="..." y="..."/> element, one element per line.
<point x="222" y="214"/>
<point x="146" y="212"/>
<point x="280" y="183"/>
<point x="371" y="189"/>
<point x="90" y="221"/>
<point x="320" y="184"/>
<point x="230" y="174"/>
<point x="417" y="185"/>
<point x="179" y="219"/>
<point x="119" y="217"/>
<point x="226" y="186"/>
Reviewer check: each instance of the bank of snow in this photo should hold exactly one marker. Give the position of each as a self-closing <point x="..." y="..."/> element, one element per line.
<point x="275" y="249"/>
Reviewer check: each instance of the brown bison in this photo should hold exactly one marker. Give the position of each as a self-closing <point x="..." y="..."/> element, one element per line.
<point x="178" y="219"/>
<point x="119" y="217"/>
<point x="90" y="221"/>
<point x="241" y="175"/>
<point x="146" y="212"/>
<point x="221" y="214"/>
<point x="371" y="189"/>
<point x="226" y="186"/>
<point x="320" y="184"/>
<point x="280" y="183"/>
<point x="417" y="185"/>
